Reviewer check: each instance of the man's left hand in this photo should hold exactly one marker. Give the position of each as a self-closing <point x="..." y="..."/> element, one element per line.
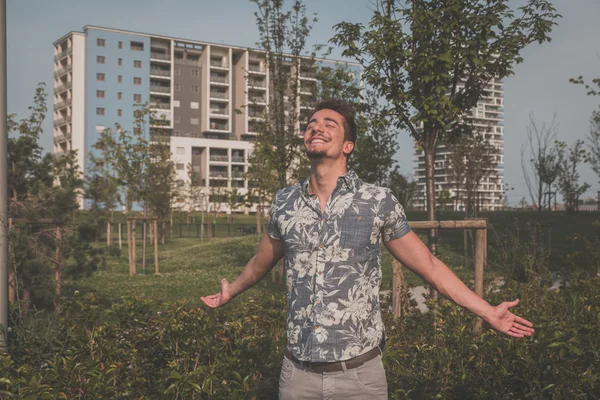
<point x="504" y="321"/>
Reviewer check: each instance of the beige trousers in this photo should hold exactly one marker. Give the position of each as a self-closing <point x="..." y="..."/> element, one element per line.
<point x="365" y="382"/>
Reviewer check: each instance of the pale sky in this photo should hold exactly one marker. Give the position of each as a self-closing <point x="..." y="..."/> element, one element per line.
<point x="540" y="85"/>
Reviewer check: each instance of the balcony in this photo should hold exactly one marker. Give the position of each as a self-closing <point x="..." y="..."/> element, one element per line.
<point x="219" y="64"/>
<point x="62" y="87"/>
<point x="237" y="175"/>
<point x="155" y="56"/>
<point x="237" y="159"/>
<point x="60" y="121"/>
<point x="160" y="106"/>
<point x="160" y="72"/>
<point x="63" y="53"/>
<point x="61" y="138"/>
<point x="160" y="89"/>
<point x="218" y="174"/>
<point x="219" y="111"/>
<point x="308" y="75"/>
<point x="219" y="79"/>
<point x="219" y="158"/>
<point x="62" y="71"/>
<point x="256" y="114"/>
<point x="218" y="95"/>
<point x="61" y="104"/>
<point x="256" y="83"/>
<point x="257" y="99"/>
<point x="256" y="69"/>
<point x="183" y="61"/>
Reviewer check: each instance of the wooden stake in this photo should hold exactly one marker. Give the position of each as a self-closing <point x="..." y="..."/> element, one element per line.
<point x="108" y="232"/>
<point x="120" y="241"/>
<point x="57" y="271"/>
<point x="133" y="250"/>
<point x="155" y="236"/>
<point x="479" y="261"/>
<point x="129" y="246"/>
<point x="396" y="288"/>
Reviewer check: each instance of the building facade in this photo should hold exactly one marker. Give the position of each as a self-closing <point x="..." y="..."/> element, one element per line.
<point x="488" y="118"/>
<point x="208" y="96"/>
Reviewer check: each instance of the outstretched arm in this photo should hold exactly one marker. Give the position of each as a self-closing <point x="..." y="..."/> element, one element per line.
<point x="268" y="254"/>
<point x="413" y="253"/>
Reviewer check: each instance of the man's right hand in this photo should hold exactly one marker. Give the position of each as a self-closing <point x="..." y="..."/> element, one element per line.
<point x="217" y="300"/>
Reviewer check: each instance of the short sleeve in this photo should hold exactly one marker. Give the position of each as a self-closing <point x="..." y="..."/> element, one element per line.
<point x="395" y="224"/>
<point x="273" y="226"/>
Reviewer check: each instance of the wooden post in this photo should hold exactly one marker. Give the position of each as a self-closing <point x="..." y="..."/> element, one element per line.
<point x="396" y="288"/>
<point x="57" y="272"/>
<point x="479" y="261"/>
<point x="108" y="232"/>
<point x="12" y="278"/>
<point x="466" y="247"/>
<point x="144" y="235"/>
<point x="133" y="250"/>
<point x="155" y="237"/>
<point x="129" y="247"/>
<point x="120" y="241"/>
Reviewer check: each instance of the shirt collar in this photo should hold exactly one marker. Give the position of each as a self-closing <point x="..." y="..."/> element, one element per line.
<point x="349" y="179"/>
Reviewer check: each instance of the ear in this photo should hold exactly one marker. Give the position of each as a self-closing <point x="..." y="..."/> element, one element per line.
<point x="348" y="147"/>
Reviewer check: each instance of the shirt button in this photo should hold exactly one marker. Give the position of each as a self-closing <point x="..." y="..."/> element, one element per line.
<point x="318" y="301"/>
<point x="324" y="220"/>
<point x="320" y="272"/>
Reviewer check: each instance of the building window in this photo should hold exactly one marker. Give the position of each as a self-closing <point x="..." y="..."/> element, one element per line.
<point x="100" y="42"/>
<point x="137" y="46"/>
<point x="120" y="96"/>
<point x="120" y="62"/>
<point x="137" y="80"/>
<point x="120" y="44"/>
<point x="177" y="87"/>
<point x="177" y="71"/>
<point x="100" y="111"/>
<point x="175" y="103"/>
<point x="120" y="79"/>
<point x="100" y="94"/>
<point x="101" y="59"/>
<point x="195" y="89"/>
<point x="137" y="64"/>
<point x="181" y="150"/>
<point x="119" y="113"/>
<point x="194" y="121"/>
<point x="194" y="73"/>
<point x="100" y="76"/>
<point x="180" y="166"/>
<point x="194" y="105"/>
<point x="137" y="98"/>
<point x="177" y="119"/>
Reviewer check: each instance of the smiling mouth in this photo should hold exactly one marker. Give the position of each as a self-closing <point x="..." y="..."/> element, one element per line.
<point x="317" y="141"/>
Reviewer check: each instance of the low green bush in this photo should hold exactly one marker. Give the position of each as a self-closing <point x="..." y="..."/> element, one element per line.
<point x="129" y="350"/>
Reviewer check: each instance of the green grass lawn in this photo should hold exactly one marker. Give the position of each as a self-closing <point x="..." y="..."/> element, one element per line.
<point x="190" y="268"/>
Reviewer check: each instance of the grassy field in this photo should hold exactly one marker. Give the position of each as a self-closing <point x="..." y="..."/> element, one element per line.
<point x="190" y="268"/>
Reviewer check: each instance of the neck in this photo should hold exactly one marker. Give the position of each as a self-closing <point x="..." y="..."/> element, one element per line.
<point x="324" y="175"/>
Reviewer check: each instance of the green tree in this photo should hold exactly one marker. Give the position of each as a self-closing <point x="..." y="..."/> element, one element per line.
<point x="283" y="35"/>
<point x="541" y="156"/>
<point x="431" y="61"/>
<point x="403" y="188"/>
<point x="568" y="176"/>
<point x="594" y="143"/>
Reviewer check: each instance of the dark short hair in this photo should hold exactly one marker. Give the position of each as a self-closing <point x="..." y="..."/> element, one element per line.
<point x="346" y="110"/>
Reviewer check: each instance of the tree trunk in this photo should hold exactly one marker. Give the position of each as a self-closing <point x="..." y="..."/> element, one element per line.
<point x="163" y="233"/>
<point x="12" y="277"/>
<point x="258" y="217"/>
<point x="144" y="236"/>
<point x="57" y="270"/>
<point x="430" y="197"/>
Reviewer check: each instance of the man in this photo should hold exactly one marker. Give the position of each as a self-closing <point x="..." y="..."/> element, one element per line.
<point x="330" y="228"/>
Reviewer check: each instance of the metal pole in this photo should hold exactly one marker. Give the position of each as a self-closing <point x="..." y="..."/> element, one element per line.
<point x="3" y="181"/>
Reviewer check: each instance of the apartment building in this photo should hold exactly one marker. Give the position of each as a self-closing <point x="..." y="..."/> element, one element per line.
<point x="209" y="97"/>
<point x="489" y="120"/>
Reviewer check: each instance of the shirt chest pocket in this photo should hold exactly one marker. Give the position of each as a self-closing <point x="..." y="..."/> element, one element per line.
<point x="359" y="231"/>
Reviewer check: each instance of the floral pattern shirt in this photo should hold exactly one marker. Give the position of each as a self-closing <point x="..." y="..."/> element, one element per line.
<point x="333" y="265"/>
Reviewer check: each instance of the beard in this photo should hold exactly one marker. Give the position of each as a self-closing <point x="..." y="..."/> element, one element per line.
<point x="316" y="154"/>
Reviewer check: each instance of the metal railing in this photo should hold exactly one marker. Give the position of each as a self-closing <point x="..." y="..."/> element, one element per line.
<point x="255" y="114"/>
<point x="255" y="83"/>
<point x="218" y="174"/>
<point x="160" y="106"/>
<point x="63" y="86"/>
<point x="219" y="158"/>
<point x="219" y="111"/>
<point x="257" y="99"/>
<point x="237" y="159"/>
<point x="219" y="79"/>
<point x="159" y="56"/>
<point x="309" y="75"/>
<point x="60" y="121"/>
<point x="160" y="72"/>
<point x="62" y="104"/>
<point x="63" y="53"/>
<point x="160" y="89"/>
<point x="214" y="63"/>
<point x="237" y="175"/>
<point x="255" y="68"/>
<point x="219" y="95"/>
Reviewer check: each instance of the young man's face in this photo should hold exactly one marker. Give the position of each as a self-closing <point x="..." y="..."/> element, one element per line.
<point x="324" y="136"/>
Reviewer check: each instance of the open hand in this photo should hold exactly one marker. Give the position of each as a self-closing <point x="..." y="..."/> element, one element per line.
<point x="505" y="321"/>
<point x="217" y="300"/>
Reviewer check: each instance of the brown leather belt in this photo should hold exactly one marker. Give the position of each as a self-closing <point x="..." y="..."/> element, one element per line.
<point x="320" y="367"/>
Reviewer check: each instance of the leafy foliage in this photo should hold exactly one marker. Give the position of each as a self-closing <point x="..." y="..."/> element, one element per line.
<point x="568" y="175"/>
